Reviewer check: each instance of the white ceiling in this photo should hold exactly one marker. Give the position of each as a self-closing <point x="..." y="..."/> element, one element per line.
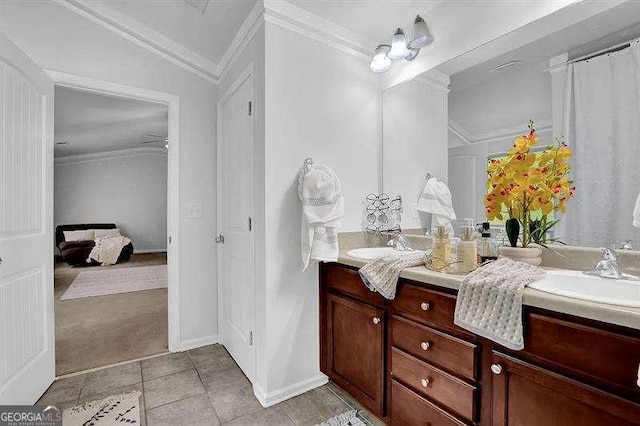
<point x="606" y="29"/>
<point x="376" y="20"/>
<point x="483" y="102"/>
<point x="208" y="34"/>
<point x="91" y="123"/>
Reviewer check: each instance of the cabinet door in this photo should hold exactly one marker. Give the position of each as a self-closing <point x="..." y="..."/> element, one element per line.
<point x="527" y="395"/>
<point x="356" y="349"/>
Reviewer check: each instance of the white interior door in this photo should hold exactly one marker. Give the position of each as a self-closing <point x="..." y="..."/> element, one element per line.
<point x="235" y="210"/>
<point x="27" y="360"/>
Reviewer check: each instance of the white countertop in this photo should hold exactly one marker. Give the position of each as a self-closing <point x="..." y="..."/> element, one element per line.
<point x="620" y="315"/>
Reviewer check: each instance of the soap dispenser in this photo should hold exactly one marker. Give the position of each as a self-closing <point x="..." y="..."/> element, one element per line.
<point x="441" y="253"/>
<point x="487" y="246"/>
<point x="467" y="252"/>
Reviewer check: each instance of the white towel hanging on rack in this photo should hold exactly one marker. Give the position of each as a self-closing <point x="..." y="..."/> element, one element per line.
<point x="320" y="191"/>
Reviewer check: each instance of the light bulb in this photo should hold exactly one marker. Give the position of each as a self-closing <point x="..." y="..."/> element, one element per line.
<point x="421" y="36"/>
<point x="399" y="46"/>
<point x="380" y="61"/>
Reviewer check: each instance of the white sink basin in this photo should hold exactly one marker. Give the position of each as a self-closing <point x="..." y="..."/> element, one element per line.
<point x="371" y="253"/>
<point x="577" y="285"/>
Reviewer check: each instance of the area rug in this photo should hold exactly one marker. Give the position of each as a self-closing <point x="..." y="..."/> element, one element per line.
<point x="350" y="418"/>
<point x="100" y="282"/>
<point x="119" y="409"/>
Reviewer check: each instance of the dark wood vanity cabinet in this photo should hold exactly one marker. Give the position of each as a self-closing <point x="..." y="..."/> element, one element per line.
<point x="355" y="337"/>
<point x="527" y="395"/>
<point x="407" y="362"/>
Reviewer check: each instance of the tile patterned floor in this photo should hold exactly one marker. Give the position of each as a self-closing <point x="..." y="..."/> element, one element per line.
<point x="203" y="386"/>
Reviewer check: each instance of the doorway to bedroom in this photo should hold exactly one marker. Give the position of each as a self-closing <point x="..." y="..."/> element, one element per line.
<point x="110" y="215"/>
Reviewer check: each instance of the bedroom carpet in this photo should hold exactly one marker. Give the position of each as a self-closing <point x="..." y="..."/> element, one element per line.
<point x="102" y="330"/>
<point x="102" y="281"/>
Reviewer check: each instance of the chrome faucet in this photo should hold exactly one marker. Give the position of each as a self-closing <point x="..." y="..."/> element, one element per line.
<point x="608" y="266"/>
<point x="400" y="243"/>
<point x="625" y="245"/>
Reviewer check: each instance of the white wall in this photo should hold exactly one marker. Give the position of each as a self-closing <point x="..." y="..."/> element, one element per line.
<point x="320" y="103"/>
<point x="130" y="191"/>
<point x="61" y="40"/>
<point x="414" y="123"/>
<point x="507" y="99"/>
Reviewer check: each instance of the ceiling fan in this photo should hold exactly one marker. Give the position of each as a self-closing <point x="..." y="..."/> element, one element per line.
<point x="158" y="139"/>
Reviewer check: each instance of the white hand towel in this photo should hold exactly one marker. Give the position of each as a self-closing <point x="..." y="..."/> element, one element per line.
<point x="436" y="199"/>
<point x="636" y="213"/>
<point x="489" y="301"/>
<point x="382" y="274"/>
<point x="320" y="191"/>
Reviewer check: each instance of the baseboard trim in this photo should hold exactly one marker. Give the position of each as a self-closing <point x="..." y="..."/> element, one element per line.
<point x="287" y="392"/>
<point x="161" y="250"/>
<point x="186" y="345"/>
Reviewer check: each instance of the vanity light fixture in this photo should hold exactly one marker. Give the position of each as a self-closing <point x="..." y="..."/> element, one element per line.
<point x="384" y="54"/>
<point x="421" y="36"/>
<point x="399" y="48"/>
<point x="381" y="62"/>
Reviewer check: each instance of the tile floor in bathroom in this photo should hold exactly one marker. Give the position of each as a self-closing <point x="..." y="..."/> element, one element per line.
<point x="203" y="386"/>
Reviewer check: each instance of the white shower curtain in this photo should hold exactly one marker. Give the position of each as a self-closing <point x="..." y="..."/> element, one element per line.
<point x="602" y="126"/>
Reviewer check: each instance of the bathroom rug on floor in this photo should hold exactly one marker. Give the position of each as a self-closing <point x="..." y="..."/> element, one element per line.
<point x="122" y="409"/>
<point x="100" y="282"/>
<point x="350" y="418"/>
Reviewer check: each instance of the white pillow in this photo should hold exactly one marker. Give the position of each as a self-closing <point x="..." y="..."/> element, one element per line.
<point x="83" y="235"/>
<point x="101" y="233"/>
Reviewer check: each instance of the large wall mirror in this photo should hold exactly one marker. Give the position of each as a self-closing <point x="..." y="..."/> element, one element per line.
<point x="580" y="83"/>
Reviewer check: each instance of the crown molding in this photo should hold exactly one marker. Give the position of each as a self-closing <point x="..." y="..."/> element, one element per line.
<point x="148" y="38"/>
<point x="509" y="132"/>
<point x="494" y="135"/>
<point x="109" y="155"/>
<point x="436" y="79"/>
<point x="298" y="20"/>
<point x="558" y="63"/>
<point x="244" y="35"/>
<point x="460" y="132"/>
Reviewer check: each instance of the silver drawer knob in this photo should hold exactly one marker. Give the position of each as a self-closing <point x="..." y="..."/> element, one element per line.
<point x="376" y="320"/>
<point x="425" y="382"/>
<point x="496" y="368"/>
<point x="425" y="345"/>
<point x="425" y="306"/>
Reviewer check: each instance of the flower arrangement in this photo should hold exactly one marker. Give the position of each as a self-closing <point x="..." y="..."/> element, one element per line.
<point x="525" y="182"/>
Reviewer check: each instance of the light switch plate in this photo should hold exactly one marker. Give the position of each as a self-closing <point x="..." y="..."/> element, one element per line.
<point x="194" y="210"/>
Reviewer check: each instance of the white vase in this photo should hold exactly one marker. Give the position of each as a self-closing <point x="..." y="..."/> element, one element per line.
<point x="531" y="255"/>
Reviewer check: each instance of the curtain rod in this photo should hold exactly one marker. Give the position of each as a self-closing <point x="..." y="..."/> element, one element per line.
<point x="612" y="49"/>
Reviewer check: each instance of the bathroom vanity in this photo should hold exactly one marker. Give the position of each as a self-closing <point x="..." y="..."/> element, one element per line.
<point x="407" y="362"/>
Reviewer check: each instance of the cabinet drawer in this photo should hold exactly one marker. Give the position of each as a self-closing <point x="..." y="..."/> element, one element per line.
<point x="425" y="305"/>
<point x="449" y="352"/>
<point x="409" y="408"/>
<point x="600" y="356"/>
<point x="348" y="281"/>
<point x="434" y="384"/>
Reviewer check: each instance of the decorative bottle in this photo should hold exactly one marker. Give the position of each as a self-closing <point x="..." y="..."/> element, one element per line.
<point x="441" y="250"/>
<point x="467" y="260"/>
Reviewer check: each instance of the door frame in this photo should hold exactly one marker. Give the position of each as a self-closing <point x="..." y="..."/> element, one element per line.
<point x="88" y="84"/>
<point x="248" y="73"/>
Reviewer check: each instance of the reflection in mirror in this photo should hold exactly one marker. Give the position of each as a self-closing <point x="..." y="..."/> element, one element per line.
<point x="414" y="121"/>
<point x="581" y="84"/>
